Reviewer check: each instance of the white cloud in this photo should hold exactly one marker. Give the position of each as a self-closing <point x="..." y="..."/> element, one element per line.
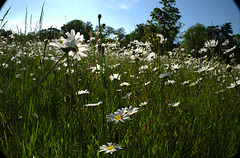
<point x="122" y="4"/>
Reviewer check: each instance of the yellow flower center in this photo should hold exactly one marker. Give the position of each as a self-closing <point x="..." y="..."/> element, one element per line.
<point x="128" y="112"/>
<point x="118" y="117"/>
<point x="60" y="42"/>
<point x="110" y="148"/>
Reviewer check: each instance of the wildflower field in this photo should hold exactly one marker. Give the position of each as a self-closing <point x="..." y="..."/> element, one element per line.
<point x="67" y="98"/>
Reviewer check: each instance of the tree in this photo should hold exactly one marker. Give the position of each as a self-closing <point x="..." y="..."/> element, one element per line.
<point x="225" y="31"/>
<point x="213" y="32"/>
<point x="120" y="32"/>
<point x="55" y="33"/>
<point x="107" y="31"/>
<point x="194" y="38"/>
<point x="49" y="33"/>
<point x="138" y="33"/>
<point x="166" y="20"/>
<point x="78" y="26"/>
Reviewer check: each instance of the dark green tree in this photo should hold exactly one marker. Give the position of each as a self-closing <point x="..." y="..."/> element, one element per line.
<point x="78" y="26"/>
<point x="43" y="34"/>
<point x="55" y="33"/>
<point x="166" y="20"/>
<point x="194" y="38"/>
<point x="213" y="32"/>
<point x="225" y="31"/>
<point x="107" y="31"/>
<point x="138" y="33"/>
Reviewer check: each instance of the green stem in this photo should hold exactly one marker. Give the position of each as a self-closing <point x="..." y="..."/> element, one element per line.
<point x="102" y="80"/>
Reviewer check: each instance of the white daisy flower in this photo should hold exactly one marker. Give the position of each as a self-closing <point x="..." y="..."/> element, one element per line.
<point x="175" y="67"/>
<point x="147" y="83"/>
<point x="211" y="43"/>
<point x="70" y="43"/>
<point x="225" y="43"/>
<point x="129" y="111"/>
<point x="233" y="85"/>
<point x="185" y="82"/>
<point x="118" y="116"/>
<point x="143" y="103"/>
<point x="229" y="50"/>
<point x="124" y="84"/>
<point x="165" y="75"/>
<point x="110" y="148"/>
<point x="127" y="95"/>
<point x="115" y="77"/>
<point x="170" y="82"/>
<point x="82" y="92"/>
<point x="94" y="104"/>
<point x="205" y="68"/>
<point x="194" y="83"/>
<point x="174" y="104"/>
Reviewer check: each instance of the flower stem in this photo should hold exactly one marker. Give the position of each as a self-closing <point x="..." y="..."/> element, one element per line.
<point x="102" y="79"/>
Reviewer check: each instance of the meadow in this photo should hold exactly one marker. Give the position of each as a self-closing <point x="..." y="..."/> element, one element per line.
<point x="67" y="98"/>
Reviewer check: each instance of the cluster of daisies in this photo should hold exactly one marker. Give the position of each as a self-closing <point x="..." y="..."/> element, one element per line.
<point x="119" y="116"/>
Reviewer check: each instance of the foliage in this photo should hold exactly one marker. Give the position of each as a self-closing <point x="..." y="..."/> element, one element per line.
<point x="194" y="38"/>
<point x="5" y="33"/>
<point x="165" y="20"/>
<point x="139" y="33"/>
<point x="51" y="33"/>
<point x="223" y="33"/>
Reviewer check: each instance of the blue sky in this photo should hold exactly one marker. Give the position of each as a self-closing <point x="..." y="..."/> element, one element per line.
<point x="118" y="13"/>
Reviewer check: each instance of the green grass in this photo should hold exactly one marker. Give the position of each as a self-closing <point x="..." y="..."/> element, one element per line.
<point x="54" y="122"/>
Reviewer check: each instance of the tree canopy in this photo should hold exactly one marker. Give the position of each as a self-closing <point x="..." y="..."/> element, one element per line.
<point x="165" y="20"/>
<point x="194" y="38"/>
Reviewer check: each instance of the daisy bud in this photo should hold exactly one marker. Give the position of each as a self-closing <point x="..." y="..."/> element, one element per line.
<point x="103" y="25"/>
<point x="99" y="16"/>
